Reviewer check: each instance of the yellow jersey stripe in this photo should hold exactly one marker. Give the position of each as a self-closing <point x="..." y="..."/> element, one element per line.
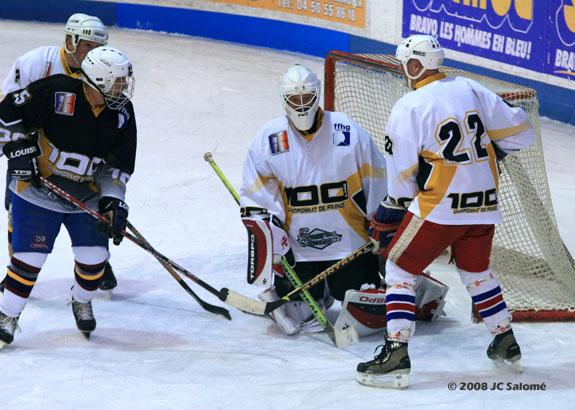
<point x="506" y="132"/>
<point x="350" y="212"/>
<point x="437" y="184"/>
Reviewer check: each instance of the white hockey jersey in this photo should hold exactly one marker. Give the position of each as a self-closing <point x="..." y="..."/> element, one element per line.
<point x="440" y="153"/>
<point x="322" y="190"/>
<point x="38" y="63"/>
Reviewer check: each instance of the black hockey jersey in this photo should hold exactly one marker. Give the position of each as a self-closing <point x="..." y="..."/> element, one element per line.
<point x="88" y="151"/>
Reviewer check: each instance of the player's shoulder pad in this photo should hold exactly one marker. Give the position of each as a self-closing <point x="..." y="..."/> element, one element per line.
<point x="55" y="83"/>
<point x="275" y="125"/>
<point x="39" y="55"/>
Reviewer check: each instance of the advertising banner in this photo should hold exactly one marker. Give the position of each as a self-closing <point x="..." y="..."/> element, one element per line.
<point x="536" y="35"/>
<point x="349" y="12"/>
<point x="562" y="39"/>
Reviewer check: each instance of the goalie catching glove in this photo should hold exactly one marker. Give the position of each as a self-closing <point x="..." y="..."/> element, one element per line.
<point x="384" y="224"/>
<point x="116" y="211"/>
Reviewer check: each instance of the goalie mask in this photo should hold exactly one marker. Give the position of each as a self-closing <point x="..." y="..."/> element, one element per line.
<point x="108" y="70"/>
<point x="299" y="88"/>
<point x="423" y="48"/>
<point x="83" y="27"/>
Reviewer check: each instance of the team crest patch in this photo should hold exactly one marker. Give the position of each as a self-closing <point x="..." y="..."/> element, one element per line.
<point x="65" y="103"/>
<point x="279" y="142"/>
<point x="341" y="135"/>
<point x="317" y="238"/>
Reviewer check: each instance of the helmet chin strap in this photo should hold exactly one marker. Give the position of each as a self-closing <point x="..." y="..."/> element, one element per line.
<point x="71" y="52"/>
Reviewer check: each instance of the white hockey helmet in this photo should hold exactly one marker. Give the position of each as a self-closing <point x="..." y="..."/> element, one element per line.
<point x="109" y="71"/>
<point x="300" y="91"/>
<point x="423" y="48"/>
<point x="83" y="27"/>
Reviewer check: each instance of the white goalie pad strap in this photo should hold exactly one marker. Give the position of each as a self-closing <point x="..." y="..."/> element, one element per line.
<point x="260" y="251"/>
<point x="429" y="298"/>
<point x="364" y="310"/>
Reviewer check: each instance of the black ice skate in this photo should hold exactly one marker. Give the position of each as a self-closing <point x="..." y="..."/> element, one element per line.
<point x="108" y="281"/>
<point x="8" y="326"/>
<point x="2" y="285"/>
<point x="84" y="317"/>
<point x="504" y="351"/>
<point x="389" y="369"/>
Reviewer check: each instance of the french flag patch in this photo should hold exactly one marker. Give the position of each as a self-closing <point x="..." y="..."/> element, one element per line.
<point x="64" y="103"/>
<point x="279" y="142"/>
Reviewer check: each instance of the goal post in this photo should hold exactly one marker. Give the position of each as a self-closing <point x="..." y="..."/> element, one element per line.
<point x="534" y="267"/>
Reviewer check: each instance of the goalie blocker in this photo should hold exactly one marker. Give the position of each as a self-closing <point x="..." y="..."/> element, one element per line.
<point x="267" y="243"/>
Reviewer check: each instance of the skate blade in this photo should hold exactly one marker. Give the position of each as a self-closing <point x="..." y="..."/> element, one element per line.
<point x="86" y="334"/>
<point x="386" y="381"/>
<point x="3" y="344"/>
<point x="508" y="365"/>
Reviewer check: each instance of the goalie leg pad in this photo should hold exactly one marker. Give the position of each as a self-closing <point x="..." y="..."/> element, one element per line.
<point x="364" y="310"/>
<point x="429" y="298"/>
<point x="288" y="325"/>
<point x="293" y="317"/>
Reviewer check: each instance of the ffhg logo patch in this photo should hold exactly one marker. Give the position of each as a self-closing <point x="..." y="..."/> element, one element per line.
<point x="65" y="103"/>
<point x="341" y="135"/>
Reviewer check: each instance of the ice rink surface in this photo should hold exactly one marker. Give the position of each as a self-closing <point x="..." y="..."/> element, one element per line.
<point x="155" y="348"/>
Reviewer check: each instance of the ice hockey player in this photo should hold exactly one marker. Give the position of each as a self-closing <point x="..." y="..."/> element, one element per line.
<point x="83" y="33"/>
<point x="85" y="142"/>
<point x="310" y="181"/>
<point x="445" y="138"/>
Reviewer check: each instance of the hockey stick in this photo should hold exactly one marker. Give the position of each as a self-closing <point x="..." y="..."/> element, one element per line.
<point x="319" y="277"/>
<point x="340" y="337"/>
<point x="142" y="243"/>
<point x="210" y="308"/>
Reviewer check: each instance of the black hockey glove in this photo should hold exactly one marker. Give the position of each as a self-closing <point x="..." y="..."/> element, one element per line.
<point x="22" y="161"/>
<point x="116" y="211"/>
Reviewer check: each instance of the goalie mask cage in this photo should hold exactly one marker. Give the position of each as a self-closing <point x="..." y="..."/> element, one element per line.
<point x="535" y="269"/>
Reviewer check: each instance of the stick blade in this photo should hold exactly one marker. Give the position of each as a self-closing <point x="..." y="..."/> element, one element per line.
<point x="217" y="310"/>
<point x="241" y="302"/>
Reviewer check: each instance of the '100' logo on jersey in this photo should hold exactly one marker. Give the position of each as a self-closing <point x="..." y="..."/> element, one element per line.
<point x="317" y="198"/>
<point x="78" y="167"/>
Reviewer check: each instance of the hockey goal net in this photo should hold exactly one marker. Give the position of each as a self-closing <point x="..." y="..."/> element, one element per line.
<point x="535" y="269"/>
